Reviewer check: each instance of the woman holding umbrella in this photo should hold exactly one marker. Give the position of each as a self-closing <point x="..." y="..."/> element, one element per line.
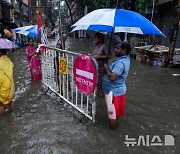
<point x="101" y="54"/>
<point x="6" y="76"/>
<point x="34" y="61"/>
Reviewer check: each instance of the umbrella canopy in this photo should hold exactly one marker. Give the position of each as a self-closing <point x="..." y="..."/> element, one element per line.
<point x="6" y="44"/>
<point x="116" y="20"/>
<point x="30" y="31"/>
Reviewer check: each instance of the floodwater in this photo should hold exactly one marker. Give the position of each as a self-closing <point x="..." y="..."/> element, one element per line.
<point x="44" y="124"/>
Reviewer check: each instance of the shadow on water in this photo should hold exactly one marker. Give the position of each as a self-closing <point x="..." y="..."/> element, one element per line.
<point x="43" y="124"/>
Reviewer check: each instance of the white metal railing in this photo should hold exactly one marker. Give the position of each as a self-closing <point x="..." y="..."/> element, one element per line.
<point x="64" y="85"/>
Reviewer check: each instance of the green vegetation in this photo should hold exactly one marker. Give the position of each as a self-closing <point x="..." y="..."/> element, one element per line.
<point x="140" y="6"/>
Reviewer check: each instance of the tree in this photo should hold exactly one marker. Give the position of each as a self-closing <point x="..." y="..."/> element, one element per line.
<point x="91" y="4"/>
<point x="68" y="3"/>
<point x="140" y="6"/>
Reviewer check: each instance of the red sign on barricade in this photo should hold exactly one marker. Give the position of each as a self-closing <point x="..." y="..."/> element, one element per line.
<point x="85" y="74"/>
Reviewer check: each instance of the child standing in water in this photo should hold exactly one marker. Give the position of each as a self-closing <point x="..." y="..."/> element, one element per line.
<point x="34" y="61"/>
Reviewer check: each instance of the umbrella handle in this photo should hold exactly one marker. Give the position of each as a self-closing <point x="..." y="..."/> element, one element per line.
<point x="109" y="48"/>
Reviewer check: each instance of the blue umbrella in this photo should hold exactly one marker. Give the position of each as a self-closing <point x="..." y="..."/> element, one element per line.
<point x="116" y="20"/>
<point x="30" y="31"/>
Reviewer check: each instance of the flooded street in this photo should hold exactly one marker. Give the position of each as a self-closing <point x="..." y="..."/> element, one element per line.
<point x="44" y="124"/>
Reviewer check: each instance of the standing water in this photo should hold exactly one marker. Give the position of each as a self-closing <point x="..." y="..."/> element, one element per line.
<point x="44" y="124"/>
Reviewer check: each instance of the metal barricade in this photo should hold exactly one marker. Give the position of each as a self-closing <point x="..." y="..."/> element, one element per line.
<point x="63" y="84"/>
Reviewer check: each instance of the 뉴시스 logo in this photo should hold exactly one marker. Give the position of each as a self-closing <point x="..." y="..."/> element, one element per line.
<point x="146" y="140"/>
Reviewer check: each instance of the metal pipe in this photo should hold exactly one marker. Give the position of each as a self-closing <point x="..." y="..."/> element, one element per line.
<point x="152" y="14"/>
<point x="63" y="51"/>
<point x="60" y="25"/>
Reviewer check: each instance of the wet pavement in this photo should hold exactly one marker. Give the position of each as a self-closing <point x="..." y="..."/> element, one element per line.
<point x="44" y="124"/>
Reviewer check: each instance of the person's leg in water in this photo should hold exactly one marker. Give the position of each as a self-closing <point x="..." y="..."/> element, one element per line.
<point x="113" y="123"/>
<point x="2" y="109"/>
<point x="119" y="105"/>
<point x="11" y="106"/>
<point x="99" y="90"/>
<point x="99" y="85"/>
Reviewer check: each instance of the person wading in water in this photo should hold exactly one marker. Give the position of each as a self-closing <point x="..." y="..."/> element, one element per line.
<point x="34" y="61"/>
<point x="6" y="82"/>
<point x="114" y="85"/>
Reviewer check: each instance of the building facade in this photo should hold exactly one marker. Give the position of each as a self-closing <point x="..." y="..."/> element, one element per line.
<point x="21" y="13"/>
<point x="5" y="16"/>
<point x="163" y="13"/>
<point x="44" y="7"/>
<point x="13" y="14"/>
<point x="164" y="17"/>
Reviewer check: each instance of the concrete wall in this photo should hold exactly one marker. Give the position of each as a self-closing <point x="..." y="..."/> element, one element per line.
<point x="164" y="19"/>
<point x="178" y="39"/>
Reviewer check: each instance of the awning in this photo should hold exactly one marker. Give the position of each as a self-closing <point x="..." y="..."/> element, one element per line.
<point x="10" y="25"/>
<point x="25" y="1"/>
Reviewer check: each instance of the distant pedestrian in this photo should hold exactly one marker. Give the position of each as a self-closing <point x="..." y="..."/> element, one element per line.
<point x="59" y="42"/>
<point x="6" y="82"/>
<point x="101" y="54"/>
<point x="114" y="85"/>
<point x="34" y="61"/>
